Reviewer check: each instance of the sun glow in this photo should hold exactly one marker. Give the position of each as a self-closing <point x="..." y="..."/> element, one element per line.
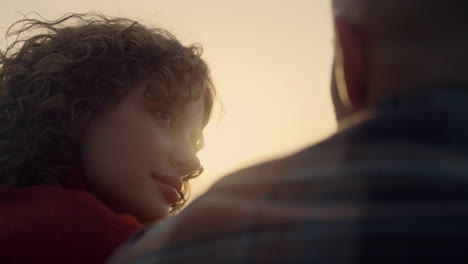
<point x="270" y="61"/>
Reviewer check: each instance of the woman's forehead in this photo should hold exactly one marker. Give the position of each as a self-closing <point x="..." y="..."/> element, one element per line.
<point x="191" y="107"/>
<point x="174" y="90"/>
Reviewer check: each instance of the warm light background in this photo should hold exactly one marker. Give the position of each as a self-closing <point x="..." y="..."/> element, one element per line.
<point x="270" y="60"/>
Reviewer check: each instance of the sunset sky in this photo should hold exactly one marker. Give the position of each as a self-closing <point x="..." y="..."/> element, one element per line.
<point x="270" y="61"/>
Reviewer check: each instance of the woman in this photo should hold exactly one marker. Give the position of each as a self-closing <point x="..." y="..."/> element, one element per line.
<point x="100" y="123"/>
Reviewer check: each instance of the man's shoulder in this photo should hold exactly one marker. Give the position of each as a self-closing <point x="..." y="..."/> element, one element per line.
<point x="347" y="156"/>
<point x="286" y="168"/>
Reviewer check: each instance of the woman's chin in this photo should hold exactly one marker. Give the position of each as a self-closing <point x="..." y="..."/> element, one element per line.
<point x="155" y="215"/>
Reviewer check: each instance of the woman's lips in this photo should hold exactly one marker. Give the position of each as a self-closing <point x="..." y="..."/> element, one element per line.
<point x="170" y="193"/>
<point x="170" y="187"/>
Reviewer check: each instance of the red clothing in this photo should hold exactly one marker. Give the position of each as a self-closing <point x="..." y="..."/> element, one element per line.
<point x="46" y="224"/>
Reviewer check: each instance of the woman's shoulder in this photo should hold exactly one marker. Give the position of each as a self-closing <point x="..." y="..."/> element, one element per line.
<point x="54" y="202"/>
<point x="58" y="205"/>
<point x="45" y="217"/>
<point x="43" y="196"/>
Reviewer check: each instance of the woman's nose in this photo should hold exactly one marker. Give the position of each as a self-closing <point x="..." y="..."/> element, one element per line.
<point x="185" y="160"/>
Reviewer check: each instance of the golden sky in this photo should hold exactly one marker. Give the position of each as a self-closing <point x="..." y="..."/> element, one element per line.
<point x="270" y="60"/>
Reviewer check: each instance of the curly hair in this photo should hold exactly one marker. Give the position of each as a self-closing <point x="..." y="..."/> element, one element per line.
<point x="67" y="70"/>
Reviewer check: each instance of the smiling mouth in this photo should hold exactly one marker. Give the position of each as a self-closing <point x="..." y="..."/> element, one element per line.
<point x="170" y="187"/>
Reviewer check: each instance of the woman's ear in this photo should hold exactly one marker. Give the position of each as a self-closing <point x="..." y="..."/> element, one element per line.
<point x="351" y="64"/>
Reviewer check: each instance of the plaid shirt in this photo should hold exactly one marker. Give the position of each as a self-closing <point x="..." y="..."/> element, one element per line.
<point x="392" y="188"/>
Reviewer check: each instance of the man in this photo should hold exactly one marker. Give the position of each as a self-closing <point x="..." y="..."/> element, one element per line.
<point x="390" y="187"/>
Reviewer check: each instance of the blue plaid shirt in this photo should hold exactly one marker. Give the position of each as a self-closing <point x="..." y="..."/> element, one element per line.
<point x="392" y="188"/>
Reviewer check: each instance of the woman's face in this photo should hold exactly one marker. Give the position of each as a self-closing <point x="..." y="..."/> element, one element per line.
<point x="136" y="153"/>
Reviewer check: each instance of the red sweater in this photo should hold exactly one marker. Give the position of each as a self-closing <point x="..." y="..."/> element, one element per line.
<point x="52" y="225"/>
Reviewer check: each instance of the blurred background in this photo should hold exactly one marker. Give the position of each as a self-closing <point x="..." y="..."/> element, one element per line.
<point x="270" y="61"/>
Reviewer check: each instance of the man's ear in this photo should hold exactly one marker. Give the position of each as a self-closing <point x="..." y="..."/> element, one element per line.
<point x="351" y="64"/>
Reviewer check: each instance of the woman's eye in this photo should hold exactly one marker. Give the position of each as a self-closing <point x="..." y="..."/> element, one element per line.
<point x="165" y="118"/>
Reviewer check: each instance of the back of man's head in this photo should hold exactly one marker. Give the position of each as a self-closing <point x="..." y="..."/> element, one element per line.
<point x="393" y="46"/>
<point x="408" y="22"/>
